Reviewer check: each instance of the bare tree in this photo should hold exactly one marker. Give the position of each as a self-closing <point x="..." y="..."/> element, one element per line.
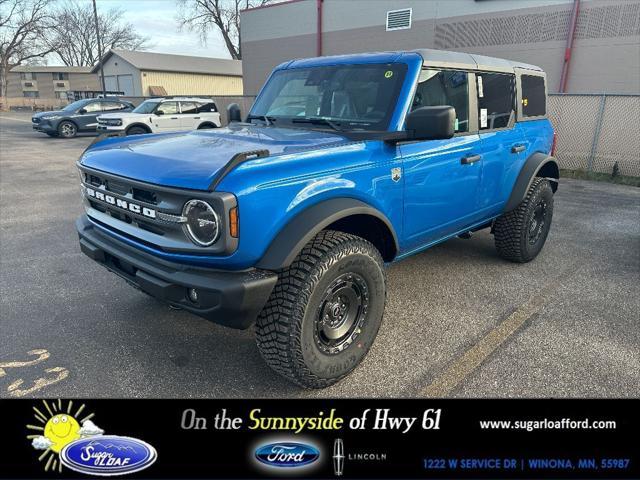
<point x="22" y="24"/>
<point x="224" y="15"/>
<point x="73" y="36"/>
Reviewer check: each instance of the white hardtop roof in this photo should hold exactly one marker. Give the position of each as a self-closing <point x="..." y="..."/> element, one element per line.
<point x="191" y="99"/>
<point x="471" y="61"/>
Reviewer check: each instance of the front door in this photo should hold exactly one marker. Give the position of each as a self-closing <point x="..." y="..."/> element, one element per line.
<point x="89" y="119"/>
<point x="167" y="117"/>
<point x="442" y="178"/>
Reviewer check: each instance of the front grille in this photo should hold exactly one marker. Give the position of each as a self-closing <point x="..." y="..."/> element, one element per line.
<point x="151" y="214"/>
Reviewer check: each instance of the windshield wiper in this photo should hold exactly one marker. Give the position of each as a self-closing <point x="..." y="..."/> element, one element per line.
<point x="318" y="121"/>
<point x="266" y="119"/>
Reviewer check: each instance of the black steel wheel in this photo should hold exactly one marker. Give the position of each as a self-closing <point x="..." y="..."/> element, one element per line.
<point x="325" y="310"/>
<point x="521" y="233"/>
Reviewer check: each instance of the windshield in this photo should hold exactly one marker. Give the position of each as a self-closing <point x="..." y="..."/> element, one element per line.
<point x="345" y="97"/>
<point x="72" y="107"/>
<point x="147" y="106"/>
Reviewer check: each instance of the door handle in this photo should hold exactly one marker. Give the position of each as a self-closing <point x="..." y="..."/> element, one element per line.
<point x="196" y="118"/>
<point x="470" y="159"/>
<point x="518" y="148"/>
<point x="173" y="118"/>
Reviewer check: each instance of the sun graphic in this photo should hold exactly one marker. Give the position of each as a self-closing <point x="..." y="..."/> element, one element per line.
<point x="60" y="428"/>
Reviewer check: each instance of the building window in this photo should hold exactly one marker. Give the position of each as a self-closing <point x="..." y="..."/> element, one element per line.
<point x="533" y="97"/>
<point x="31" y="94"/>
<point x="62" y="95"/>
<point x="496" y="100"/>
<point x="27" y="76"/>
<point x="60" y="76"/>
<point x="399" y="19"/>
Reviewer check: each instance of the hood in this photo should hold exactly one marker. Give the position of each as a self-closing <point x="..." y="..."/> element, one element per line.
<point x="50" y="113"/>
<point x="123" y="115"/>
<point x="193" y="159"/>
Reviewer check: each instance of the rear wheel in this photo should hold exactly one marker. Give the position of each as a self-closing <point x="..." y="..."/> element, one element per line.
<point x="325" y="311"/>
<point x="136" y="131"/>
<point x="206" y="125"/>
<point x="67" y="129"/>
<point x="521" y="233"/>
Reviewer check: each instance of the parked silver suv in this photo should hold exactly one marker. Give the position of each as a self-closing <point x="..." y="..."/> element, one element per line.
<point x="163" y="115"/>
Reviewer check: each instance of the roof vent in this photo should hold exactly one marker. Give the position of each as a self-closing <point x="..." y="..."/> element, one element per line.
<point x="399" y="19"/>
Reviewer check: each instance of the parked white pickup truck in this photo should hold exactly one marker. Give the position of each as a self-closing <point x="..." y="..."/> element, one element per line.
<point x="163" y="115"/>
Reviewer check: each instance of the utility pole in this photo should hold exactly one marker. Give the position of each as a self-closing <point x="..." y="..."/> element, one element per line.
<point x="95" y="17"/>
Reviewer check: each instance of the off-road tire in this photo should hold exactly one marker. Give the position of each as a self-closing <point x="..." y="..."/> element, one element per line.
<point x="287" y="328"/>
<point x="136" y="131"/>
<point x="67" y="129"/>
<point x="513" y="230"/>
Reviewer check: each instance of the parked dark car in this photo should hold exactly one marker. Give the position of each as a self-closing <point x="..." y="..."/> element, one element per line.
<point x="80" y="116"/>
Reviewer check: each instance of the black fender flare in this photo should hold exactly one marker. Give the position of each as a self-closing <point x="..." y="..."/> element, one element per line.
<point x="537" y="165"/>
<point x="138" y="124"/>
<point x="288" y="243"/>
<point x="204" y="124"/>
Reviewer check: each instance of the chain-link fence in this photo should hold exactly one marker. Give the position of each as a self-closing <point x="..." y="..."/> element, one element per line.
<point x="597" y="132"/>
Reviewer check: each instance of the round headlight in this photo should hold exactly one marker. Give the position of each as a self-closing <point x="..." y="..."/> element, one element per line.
<point x="203" y="225"/>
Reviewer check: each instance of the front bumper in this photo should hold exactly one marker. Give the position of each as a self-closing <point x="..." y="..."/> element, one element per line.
<point x="232" y="299"/>
<point x="45" y="127"/>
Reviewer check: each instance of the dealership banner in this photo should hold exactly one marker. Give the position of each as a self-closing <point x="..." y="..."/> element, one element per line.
<point x="297" y="438"/>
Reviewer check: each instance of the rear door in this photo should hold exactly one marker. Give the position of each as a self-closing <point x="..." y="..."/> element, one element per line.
<point x="442" y="177"/>
<point x="503" y="143"/>
<point x="189" y="116"/>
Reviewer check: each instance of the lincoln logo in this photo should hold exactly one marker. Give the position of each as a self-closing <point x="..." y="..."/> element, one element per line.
<point x="122" y="204"/>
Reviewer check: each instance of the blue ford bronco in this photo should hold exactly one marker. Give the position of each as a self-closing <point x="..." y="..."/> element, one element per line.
<point x="344" y="164"/>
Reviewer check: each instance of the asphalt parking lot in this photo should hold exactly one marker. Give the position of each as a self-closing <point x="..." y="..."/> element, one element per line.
<point x="459" y="322"/>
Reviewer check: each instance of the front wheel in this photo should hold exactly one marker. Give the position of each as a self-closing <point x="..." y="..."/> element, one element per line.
<point x="67" y="129"/>
<point x="521" y="233"/>
<point x="325" y="310"/>
<point x="136" y="131"/>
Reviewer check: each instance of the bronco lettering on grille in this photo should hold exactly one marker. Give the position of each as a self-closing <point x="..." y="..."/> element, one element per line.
<point x="119" y="203"/>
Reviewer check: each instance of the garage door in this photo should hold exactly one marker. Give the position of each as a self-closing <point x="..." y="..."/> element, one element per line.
<point x="125" y="84"/>
<point x="110" y="83"/>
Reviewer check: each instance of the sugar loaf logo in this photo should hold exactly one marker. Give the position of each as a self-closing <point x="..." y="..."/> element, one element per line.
<point x="287" y="454"/>
<point x="69" y="438"/>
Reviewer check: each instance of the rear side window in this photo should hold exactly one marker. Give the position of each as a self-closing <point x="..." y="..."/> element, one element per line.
<point x="207" y="107"/>
<point x="496" y="100"/>
<point x="188" y="108"/>
<point x="534" y="102"/>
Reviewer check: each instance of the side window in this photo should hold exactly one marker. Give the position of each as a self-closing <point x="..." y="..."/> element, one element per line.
<point x="168" y="108"/>
<point x="188" y="107"/>
<point x="93" y="107"/>
<point x="445" y="87"/>
<point x="496" y="100"/>
<point x="112" y="106"/>
<point x="207" y="107"/>
<point x="534" y="101"/>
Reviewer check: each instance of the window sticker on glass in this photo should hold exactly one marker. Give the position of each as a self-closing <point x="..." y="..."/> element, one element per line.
<point x="483" y="118"/>
<point x="388" y="74"/>
<point x="480" y="91"/>
<point x="457" y="125"/>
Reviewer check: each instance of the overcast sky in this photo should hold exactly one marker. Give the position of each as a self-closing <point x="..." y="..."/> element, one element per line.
<point x="156" y="19"/>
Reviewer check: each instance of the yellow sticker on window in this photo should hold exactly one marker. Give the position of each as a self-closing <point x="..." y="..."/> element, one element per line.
<point x="388" y="74"/>
<point x="525" y="101"/>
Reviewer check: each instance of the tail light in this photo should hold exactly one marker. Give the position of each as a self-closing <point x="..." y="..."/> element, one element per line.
<point x="553" y="144"/>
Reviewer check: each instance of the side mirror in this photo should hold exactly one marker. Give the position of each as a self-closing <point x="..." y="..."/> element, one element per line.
<point x="159" y="112"/>
<point x="82" y="111"/>
<point x="431" y="123"/>
<point x="233" y="113"/>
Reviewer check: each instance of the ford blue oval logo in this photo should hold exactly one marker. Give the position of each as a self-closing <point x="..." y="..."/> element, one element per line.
<point x="108" y="455"/>
<point x="287" y="454"/>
